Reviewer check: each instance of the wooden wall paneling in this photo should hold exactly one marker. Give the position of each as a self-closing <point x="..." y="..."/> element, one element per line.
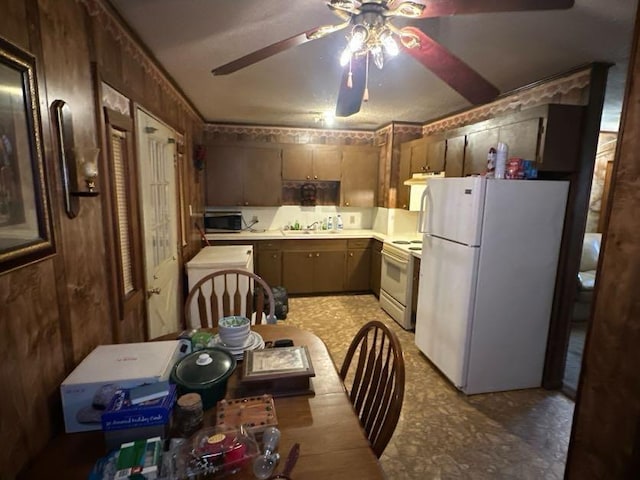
<point x="68" y="77"/>
<point x="573" y="233"/>
<point x="108" y="54"/>
<point x="605" y="439"/>
<point x="13" y="22"/>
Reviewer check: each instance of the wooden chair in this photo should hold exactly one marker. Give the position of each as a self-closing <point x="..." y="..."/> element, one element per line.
<point x="229" y="292"/>
<point x="375" y="382"/>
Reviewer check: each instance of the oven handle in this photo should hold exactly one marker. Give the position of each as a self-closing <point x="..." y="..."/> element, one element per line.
<point x="399" y="262"/>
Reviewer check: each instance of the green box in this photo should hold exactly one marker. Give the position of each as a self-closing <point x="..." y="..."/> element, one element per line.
<point x="139" y="459"/>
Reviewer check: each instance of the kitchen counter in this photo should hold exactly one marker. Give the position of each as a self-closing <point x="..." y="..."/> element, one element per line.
<point x="297" y="235"/>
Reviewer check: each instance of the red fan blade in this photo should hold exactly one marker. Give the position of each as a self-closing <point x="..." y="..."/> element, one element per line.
<point x="441" y="8"/>
<point x="266" y="52"/>
<point x="350" y="98"/>
<point x="460" y="76"/>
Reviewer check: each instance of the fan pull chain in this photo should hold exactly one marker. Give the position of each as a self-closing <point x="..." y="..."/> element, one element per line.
<point x="365" y="97"/>
<point x="350" y="77"/>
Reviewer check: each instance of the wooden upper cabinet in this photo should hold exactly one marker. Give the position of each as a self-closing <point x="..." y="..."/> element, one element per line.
<point x="262" y="177"/>
<point x="404" y="173"/>
<point x="224" y="176"/>
<point x="454" y="159"/>
<point x="243" y="176"/>
<point x="359" y="177"/>
<point x="418" y="155"/>
<point x="311" y="162"/>
<point x="435" y="158"/>
<point x="522" y="138"/>
<point x="478" y="145"/>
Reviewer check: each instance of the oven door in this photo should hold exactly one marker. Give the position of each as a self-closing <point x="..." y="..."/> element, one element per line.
<point x="394" y="278"/>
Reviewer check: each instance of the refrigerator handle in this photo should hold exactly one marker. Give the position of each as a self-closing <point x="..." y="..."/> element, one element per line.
<point x="423" y="207"/>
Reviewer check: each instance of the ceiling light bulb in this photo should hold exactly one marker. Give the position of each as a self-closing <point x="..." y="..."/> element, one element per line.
<point x="359" y="35"/>
<point x="345" y="57"/>
<point x="378" y="57"/>
<point x="390" y="45"/>
<point x="329" y="118"/>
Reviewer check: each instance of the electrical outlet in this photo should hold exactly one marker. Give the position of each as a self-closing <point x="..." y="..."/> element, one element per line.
<point x="352" y="219"/>
<point x="254" y="219"/>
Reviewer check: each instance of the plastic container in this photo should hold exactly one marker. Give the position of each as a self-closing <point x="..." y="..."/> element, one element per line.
<point x="339" y="224"/>
<point x="501" y="159"/>
<point x="491" y="163"/>
<point x="330" y="223"/>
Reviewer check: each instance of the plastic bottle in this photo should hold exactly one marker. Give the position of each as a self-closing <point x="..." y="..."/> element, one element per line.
<point x="491" y="163"/>
<point x="296" y="225"/>
<point x="339" y="222"/>
<point x="330" y="223"/>
<point x="501" y="159"/>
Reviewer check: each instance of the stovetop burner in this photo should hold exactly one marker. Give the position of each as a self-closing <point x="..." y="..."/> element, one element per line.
<point x="401" y="242"/>
<point x="415" y="248"/>
<point x="416" y="241"/>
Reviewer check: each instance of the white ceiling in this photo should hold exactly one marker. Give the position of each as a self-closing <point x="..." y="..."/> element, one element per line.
<point x="190" y="37"/>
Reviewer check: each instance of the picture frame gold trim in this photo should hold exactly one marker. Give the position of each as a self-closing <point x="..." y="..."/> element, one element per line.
<point x="26" y="233"/>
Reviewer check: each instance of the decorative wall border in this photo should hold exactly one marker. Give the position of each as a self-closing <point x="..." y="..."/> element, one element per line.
<point x="291" y="134"/>
<point x="113" y="25"/>
<point x="521" y="98"/>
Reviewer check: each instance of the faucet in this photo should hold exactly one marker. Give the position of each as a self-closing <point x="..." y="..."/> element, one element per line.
<point x="313" y="226"/>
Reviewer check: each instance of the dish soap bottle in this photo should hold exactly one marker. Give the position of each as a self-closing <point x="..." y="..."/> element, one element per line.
<point x="339" y="222"/>
<point x="330" y="223"/>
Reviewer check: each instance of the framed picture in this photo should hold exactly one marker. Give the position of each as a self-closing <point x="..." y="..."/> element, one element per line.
<point x="25" y="218"/>
<point x="275" y="363"/>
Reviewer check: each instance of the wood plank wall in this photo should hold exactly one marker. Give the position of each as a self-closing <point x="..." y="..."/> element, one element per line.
<point x="54" y="312"/>
<point x="605" y="441"/>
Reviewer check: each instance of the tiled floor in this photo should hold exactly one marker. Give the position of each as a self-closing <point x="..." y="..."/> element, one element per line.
<point x="443" y="434"/>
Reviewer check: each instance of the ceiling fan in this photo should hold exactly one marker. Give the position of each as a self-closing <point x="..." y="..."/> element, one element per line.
<point x="373" y="35"/>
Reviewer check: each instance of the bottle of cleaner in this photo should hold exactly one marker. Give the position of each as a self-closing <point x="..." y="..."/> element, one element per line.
<point x="501" y="159"/>
<point x="330" y="223"/>
<point x="339" y="222"/>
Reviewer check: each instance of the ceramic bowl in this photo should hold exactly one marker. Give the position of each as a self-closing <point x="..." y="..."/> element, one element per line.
<point x="234" y="331"/>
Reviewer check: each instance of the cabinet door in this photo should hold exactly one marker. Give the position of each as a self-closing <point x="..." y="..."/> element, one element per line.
<point x="329" y="271"/>
<point x="224" y="172"/>
<point x="358" y="270"/>
<point x="376" y="267"/>
<point x="263" y="177"/>
<point x="402" y="190"/>
<point x="298" y="272"/>
<point x="326" y="163"/>
<point x="454" y="159"/>
<point x="359" y="177"/>
<point x="478" y="145"/>
<point x="435" y="151"/>
<point x="522" y="138"/>
<point x="297" y="162"/>
<point x="418" y="155"/>
<point x="270" y="267"/>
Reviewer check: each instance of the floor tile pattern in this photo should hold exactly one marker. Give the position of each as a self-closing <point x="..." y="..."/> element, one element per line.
<point x="443" y="434"/>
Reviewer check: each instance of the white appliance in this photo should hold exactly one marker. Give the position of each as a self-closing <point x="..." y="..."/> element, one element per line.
<point x="396" y="280"/>
<point x="212" y="259"/>
<point x="418" y="182"/>
<point x="487" y="276"/>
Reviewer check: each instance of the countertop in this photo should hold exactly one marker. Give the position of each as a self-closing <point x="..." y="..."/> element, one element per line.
<point x="319" y="234"/>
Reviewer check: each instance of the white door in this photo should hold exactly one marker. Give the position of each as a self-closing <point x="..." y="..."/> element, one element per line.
<point x="445" y="305"/>
<point x="156" y="157"/>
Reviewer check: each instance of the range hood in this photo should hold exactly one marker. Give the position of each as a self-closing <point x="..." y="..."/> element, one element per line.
<point x="418" y="183"/>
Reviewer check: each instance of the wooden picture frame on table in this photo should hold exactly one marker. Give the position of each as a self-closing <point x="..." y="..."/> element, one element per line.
<point x="26" y="233"/>
<point x="278" y="371"/>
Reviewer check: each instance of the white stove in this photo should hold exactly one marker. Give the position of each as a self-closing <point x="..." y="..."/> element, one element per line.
<point x="396" y="279"/>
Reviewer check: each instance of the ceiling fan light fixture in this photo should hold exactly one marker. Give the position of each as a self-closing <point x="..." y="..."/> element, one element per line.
<point x="389" y="43"/>
<point x="359" y="36"/>
<point x="378" y="57"/>
<point x="409" y="40"/>
<point x="345" y="57"/>
<point x="407" y="9"/>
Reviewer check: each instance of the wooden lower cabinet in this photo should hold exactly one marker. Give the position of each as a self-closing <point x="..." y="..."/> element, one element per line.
<point x="376" y="266"/>
<point x="297" y="271"/>
<point x="313" y="271"/>
<point x="358" y="265"/>
<point x="269" y="262"/>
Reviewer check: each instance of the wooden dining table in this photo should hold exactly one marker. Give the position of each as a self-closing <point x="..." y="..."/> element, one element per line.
<point x="332" y="441"/>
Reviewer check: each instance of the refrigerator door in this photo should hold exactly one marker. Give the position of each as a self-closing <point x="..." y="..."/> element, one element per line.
<point x="521" y="238"/>
<point x="452" y="209"/>
<point x="445" y="302"/>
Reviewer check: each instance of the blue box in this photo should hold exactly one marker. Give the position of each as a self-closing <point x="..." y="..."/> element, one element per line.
<point x="120" y="414"/>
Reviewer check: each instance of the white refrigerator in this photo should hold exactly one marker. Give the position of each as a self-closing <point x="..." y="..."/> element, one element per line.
<point x="487" y="277"/>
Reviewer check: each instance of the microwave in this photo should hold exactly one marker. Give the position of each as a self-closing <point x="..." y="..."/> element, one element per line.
<point x="222" y="222"/>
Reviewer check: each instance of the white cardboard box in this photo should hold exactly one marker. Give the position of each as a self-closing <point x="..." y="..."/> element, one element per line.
<point x="87" y="390"/>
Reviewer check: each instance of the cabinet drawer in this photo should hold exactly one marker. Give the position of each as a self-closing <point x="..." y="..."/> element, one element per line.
<point x="359" y="243"/>
<point x="266" y="245"/>
<point x="314" y="245"/>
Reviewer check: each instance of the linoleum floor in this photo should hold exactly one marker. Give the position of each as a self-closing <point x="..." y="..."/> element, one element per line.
<point x="443" y="434"/>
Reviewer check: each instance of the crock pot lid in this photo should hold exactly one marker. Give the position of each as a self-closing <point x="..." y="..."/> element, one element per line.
<point x="204" y="366"/>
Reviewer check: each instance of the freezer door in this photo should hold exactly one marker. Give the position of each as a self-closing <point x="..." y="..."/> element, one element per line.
<point x="453" y="209"/>
<point x="445" y="299"/>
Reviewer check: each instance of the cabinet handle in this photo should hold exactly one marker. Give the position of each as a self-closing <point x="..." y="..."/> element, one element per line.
<point x="310" y="255"/>
<point x="308" y="177"/>
<point x="317" y="254"/>
<point x="275" y="255"/>
<point x="315" y="177"/>
<point x="346" y="204"/>
<point x="246" y="203"/>
<point x="351" y="254"/>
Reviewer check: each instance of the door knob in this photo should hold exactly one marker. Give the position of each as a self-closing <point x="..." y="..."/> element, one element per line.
<point x="153" y="291"/>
